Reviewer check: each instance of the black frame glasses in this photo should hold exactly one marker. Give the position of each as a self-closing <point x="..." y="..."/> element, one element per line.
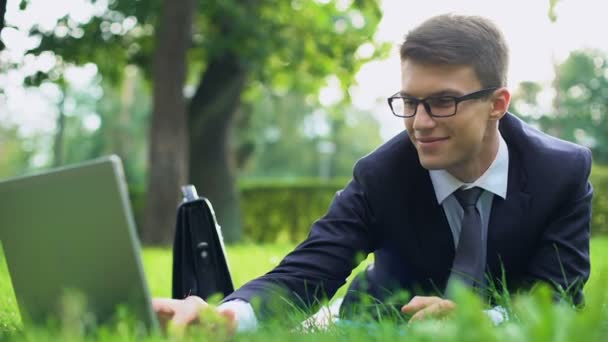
<point x="443" y="105"/>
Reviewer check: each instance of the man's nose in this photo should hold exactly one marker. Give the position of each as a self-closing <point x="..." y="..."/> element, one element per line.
<point x="423" y="120"/>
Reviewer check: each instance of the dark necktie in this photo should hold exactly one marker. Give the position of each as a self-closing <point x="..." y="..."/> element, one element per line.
<point x="469" y="260"/>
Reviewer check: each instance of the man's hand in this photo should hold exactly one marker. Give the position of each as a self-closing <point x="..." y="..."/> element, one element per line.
<point x="426" y="307"/>
<point x="191" y="310"/>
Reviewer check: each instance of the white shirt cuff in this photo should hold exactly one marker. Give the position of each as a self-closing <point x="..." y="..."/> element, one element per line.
<point x="497" y="314"/>
<point x="245" y="317"/>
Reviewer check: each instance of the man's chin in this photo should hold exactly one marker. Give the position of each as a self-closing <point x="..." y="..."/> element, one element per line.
<point x="431" y="164"/>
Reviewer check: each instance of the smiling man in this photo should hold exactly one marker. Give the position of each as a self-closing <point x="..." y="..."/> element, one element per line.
<point x="466" y="192"/>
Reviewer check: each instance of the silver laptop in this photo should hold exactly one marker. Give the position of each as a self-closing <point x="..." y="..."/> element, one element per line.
<point x="70" y="232"/>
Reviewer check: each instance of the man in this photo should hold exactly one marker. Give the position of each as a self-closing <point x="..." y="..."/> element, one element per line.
<point x="527" y="212"/>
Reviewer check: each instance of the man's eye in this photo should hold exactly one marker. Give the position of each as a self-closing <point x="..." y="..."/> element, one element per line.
<point x="441" y="102"/>
<point x="410" y="103"/>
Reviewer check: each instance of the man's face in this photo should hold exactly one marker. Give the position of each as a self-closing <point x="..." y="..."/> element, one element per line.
<point x="455" y="143"/>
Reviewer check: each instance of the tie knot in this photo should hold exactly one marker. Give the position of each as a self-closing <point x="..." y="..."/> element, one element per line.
<point x="469" y="197"/>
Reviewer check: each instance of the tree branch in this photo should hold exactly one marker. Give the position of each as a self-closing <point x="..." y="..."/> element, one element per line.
<point x="2" y="12"/>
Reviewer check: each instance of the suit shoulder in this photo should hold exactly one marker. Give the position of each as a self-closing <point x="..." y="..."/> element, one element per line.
<point x="547" y="155"/>
<point x="542" y="147"/>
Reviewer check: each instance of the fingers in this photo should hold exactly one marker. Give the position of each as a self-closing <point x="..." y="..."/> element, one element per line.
<point x="180" y="312"/>
<point x="164" y="309"/>
<point x="177" y="315"/>
<point x="418" y="303"/>
<point x="188" y="310"/>
<point x="439" y="309"/>
<point x="230" y="317"/>
<point x="229" y="314"/>
<point x="424" y="307"/>
<point x="163" y="305"/>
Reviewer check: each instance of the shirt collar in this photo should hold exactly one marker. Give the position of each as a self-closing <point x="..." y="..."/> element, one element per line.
<point x="494" y="180"/>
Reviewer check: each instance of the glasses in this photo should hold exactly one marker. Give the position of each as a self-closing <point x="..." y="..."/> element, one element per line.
<point x="436" y="106"/>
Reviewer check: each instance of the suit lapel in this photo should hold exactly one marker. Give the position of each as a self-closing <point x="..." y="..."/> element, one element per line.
<point x="435" y="243"/>
<point x="509" y="214"/>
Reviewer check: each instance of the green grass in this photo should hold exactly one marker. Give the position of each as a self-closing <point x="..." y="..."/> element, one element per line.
<point x="536" y="317"/>
<point x="246" y="262"/>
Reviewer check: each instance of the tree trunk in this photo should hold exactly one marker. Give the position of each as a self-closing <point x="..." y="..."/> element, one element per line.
<point x="2" y="13"/>
<point x="59" y="133"/>
<point x="122" y="142"/>
<point x="168" y="133"/>
<point x="212" y="167"/>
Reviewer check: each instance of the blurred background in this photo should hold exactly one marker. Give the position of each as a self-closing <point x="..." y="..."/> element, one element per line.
<point x="264" y="105"/>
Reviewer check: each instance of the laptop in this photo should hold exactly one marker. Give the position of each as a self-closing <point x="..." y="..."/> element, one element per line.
<point x="70" y="232"/>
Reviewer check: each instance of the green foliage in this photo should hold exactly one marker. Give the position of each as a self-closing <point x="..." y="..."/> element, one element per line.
<point x="284" y="210"/>
<point x="122" y="113"/>
<point x="551" y="14"/>
<point x="97" y="120"/>
<point x="599" y="218"/>
<point x="125" y="31"/>
<point x="10" y="320"/>
<point x="283" y="127"/>
<point x="14" y="152"/>
<point x="286" y="44"/>
<point x="578" y="111"/>
<point x="528" y="92"/>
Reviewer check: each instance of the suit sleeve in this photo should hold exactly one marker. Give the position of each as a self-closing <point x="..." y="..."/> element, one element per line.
<point x="563" y="257"/>
<point x="319" y="266"/>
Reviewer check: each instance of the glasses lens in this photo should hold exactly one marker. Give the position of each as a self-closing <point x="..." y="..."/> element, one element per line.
<point x="404" y="106"/>
<point x="442" y="106"/>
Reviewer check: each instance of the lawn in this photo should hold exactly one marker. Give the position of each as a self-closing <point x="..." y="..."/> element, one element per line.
<point x="537" y="317"/>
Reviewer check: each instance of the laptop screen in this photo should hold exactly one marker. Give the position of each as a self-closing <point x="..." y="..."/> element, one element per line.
<point x="70" y="232"/>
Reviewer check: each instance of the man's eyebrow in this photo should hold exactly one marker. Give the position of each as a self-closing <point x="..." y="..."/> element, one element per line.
<point x="444" y="92"/>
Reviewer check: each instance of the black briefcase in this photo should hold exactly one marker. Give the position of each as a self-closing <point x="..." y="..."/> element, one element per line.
<point x="199" y="259"/>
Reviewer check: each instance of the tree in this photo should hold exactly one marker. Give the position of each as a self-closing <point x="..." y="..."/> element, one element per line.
<point x="168" y="133"/>
<point x="305" y="139"/>
<point x="14" y="152"/>
<point x="578" y="110"/>
<point x="2" y="12"/>
<point x="290" y="45"/>
<point x="524" y="102"/>
<point x="581" y="102"/>
<point x="234" y="45"/>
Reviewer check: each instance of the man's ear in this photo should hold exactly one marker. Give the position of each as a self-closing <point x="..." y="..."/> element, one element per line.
<point x="500" y="103"/>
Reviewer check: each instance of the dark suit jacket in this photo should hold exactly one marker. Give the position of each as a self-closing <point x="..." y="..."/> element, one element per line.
<point x="540" y="232"/>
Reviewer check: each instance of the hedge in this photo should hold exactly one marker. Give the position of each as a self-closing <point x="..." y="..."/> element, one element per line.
<point x="283" y="210"/>
<point x="599" y="218"/>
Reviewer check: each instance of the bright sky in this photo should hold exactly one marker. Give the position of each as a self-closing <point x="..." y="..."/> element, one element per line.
<point x="534" y="43"/>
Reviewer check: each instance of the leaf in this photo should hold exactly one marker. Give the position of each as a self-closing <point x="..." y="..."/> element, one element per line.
<point x="552" y="15"/>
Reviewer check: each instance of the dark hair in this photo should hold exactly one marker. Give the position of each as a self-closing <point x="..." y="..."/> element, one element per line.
<point x="460" y="40"/>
